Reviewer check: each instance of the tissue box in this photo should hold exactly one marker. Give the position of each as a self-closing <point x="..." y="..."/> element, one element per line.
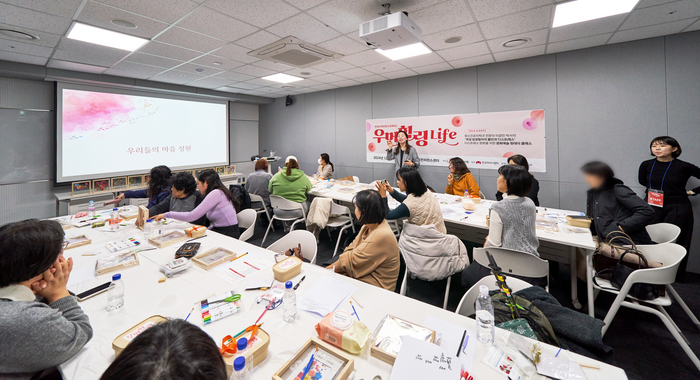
<point x="195" y="231"/>
<point x="287" y="269"/>
<point x="123" y="340"/>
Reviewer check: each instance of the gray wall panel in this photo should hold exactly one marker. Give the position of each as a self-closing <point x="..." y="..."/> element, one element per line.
<point x="320" y="126"/>
<point x="243" y="140"/>
<point x="27" y="200"/>
<point x="549" y="194"/>
<point x="612" y="101"/>
<point x="365" y="174"/>
<point x="240" y="111"/>
<point x="353" y="108"/>
<point x="26" y="94"/>
<point x="572" y="196"/>
<point x="395" y="98"/>
<point x="448" y="92"/>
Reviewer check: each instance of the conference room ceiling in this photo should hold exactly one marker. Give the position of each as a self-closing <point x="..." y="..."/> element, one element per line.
<point x="204" y="43"/>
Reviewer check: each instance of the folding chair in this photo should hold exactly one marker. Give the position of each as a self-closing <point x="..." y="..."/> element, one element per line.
<point x="293" y="239"/>
<point x="247" y="219"/>
<point x="285" y="211"/>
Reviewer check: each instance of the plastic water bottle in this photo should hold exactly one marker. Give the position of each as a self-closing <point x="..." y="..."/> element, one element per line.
<point x="466" y="194"/>
<point x="115" y="293"/>
<point x="148" y="230"/>
<point x="289" y="303"/>
<point x="114" y="220"/>
<point x="91" y="209"/>
<point x="485" y="328"/>
<point x="240" y="370"/>
<point x="243" y="351"/>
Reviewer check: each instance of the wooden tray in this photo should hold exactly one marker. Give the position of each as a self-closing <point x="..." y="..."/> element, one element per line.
<point x="348" y="364"/>
<point x="129" y="259"/>
<point x="167" y="239"/>
<point x="123" y="340"/>
<point x="578" y="222"/>
<point x="142" y="217"/>
<point x="206" y="261"/>
<point x="72" y="244"/>
<point x="386" y="356"/>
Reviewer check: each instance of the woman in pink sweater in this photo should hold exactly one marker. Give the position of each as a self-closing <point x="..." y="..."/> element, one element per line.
<point x="219" y="205"/>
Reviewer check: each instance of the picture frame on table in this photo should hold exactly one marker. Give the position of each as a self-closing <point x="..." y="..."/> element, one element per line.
<point x="81" y="188"/>
<point x="329" y="362"/>
<point x="146" y="177"/>
<point x="119" y="183"/>
<point x="101" y="185"/>
<point x="135" y="181"/>
<point x="220" y="170"/>
<point x="230" y="169"/>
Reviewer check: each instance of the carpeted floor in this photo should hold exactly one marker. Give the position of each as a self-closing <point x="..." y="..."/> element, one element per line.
<point x="643" y="346"/>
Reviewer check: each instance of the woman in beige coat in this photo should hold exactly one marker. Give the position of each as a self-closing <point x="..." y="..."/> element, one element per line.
<point x="373" y="257"/>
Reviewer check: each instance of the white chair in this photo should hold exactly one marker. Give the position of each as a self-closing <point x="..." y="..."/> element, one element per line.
<point x="293" y="239"/>
<point x="343" y="219"/>
<point x="481" y="195"/>
<point x="285" y="211"/>
<point x="661" y="233"/>
<point x="466" y="305"/>
<point x="257" y="198"/>
<point x="247" y="219"/>
<point x="514" y="262"/>
<point x="356" y="179"/>
<point x="670" y="255"/>
<point x="447" y="288"/>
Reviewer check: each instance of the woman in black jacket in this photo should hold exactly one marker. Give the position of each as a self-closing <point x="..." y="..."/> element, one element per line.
<point x="614" y="206"/>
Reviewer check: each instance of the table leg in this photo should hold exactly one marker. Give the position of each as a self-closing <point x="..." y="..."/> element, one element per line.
<point x="574" y="283"/>
<point x="589" y="281"/>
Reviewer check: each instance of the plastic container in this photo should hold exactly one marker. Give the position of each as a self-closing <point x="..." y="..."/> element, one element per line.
<point x="485" y="328"/>
<point x="115" y="293"/>
<point x="148" y="230"/>
<point x="240" y="371"/>
<point x="91" y="209"/>
<point x="114" y="220"/>
<point x="289" y="303"/>
<point x="242" y="350"/>
<point x="175" y="267"/>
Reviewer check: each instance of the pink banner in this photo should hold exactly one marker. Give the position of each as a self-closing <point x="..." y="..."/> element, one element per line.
<point x="482" y="140"/>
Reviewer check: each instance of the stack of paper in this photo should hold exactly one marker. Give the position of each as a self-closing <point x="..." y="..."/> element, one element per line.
<point x="325" y="296"/>
<point x="423" y="360"/>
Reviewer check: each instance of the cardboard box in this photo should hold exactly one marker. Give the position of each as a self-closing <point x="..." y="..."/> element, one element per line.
<point x="123" y="340"/>
<point x="195" y="231"/>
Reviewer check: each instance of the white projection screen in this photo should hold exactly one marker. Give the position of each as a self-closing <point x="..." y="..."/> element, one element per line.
<point x="103" y="133"/>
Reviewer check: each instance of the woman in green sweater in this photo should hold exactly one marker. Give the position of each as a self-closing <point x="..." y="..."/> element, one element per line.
<point x="291" y="183"/>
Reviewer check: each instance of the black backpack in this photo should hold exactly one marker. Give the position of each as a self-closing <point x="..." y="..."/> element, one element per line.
<point x="242" y="195"/>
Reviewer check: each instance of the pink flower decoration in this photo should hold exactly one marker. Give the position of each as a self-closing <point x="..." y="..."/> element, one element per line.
<point x="457" y="121"/>
<point x="537" y="115"/>
<point x="369" y="126"/>
<point x="372" y="147"/>
<point x="508" y="154"/>
<point x="530" y="124"/>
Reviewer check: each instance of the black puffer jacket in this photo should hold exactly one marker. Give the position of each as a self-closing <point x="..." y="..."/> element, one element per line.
<point x="614" y="206"/>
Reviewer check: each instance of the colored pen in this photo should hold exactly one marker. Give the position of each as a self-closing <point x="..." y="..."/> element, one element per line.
<point x="557" y="353"/>
<point x="358" y="304"/>
<point x="459" y="349"/>
<point x="298" y="283"/>
<point x="353" y="309"/>
<point x="238" y="257"/>
<point x="265" y="311"/>
<point x="188" y="314"/>
<point x="243" y="331"/>
<point x="308" y="366"/>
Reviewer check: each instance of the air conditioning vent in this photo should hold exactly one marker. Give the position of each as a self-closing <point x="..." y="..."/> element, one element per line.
<point x="294" y="52"/>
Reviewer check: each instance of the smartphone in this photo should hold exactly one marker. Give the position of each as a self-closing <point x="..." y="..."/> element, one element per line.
<point x="93" y="292"/>
<point x="384" y="181"/>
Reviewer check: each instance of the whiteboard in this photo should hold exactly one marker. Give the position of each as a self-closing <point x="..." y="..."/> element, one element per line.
<point x="26" y="145"/>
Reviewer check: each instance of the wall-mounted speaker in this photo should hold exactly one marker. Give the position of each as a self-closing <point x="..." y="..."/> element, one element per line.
<point x="288" y="101"/>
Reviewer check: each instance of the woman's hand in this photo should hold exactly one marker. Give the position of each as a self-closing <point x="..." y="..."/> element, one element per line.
<point x="120" y="197"/>
<point x="390" y="144"/>
<point x="450" y="179"/>
<point x="56" y="280"/>
<point x="690" y="192"/>
<point x="388" y="188"/>
<point x="409" y="163"/>
<point x="160" y="217"/>
<point x="380" y="188"/>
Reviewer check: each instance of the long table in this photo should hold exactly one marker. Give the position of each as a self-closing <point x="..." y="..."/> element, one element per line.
<point x="174" y="298"/>
<point x="557" y="246"/>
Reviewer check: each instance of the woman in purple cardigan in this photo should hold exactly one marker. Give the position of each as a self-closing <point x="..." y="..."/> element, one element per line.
<point x="219" y="205"/>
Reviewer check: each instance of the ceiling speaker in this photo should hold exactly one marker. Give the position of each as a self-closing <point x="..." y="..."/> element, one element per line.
<point x="288" y="101"/>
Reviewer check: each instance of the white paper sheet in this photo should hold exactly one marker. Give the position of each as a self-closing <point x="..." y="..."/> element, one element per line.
<point x="241" y="268"/>
<point x="423" y="360"/>
<point x="452" y="339"/>
<point x="325" y="296"/>
<point x="80" y="275"/>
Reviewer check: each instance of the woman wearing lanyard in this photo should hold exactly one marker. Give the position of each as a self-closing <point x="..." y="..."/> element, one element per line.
<point x="404" y="154"/>
<point x="665" y="178"/>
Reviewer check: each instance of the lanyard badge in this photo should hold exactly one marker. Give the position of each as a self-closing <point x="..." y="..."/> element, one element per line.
<point x="656" y="197"/>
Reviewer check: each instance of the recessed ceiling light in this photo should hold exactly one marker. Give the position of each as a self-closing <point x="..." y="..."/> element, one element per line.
<point x="305" y="73"/>
<point x="282" y="78"/>
<point x="585" y="10"/>
<point x="217" y="63"/>
<point x="104" y="37"/>
<point x="287" y="86"/>
<point x="124" y="24"/>
<point x="405" y="51"/>
<point x="453" y="40"/>
<point x="17" y="34"/>
<point x="516" y="42"/>
<point x="199" y="70"/>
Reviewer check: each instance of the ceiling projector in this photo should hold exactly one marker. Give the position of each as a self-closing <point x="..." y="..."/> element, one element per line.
<point x="391" y="31"/>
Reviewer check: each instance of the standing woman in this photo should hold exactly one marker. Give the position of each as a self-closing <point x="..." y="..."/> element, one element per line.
<point x="665" y="178"/>
<point x="158" y="187"/>
<point x="460" y="179"/>
<point x="404" y="154"/>
<point x="520" y="160"/>
<point x="325" y="167"/>
<point x="219" y="205"/>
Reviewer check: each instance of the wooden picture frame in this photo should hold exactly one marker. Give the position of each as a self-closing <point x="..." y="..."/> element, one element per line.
<point x="135" y="181"/>
<point x="213" y="257"/>
<point x="77" y="241"/>
<point x="119" y="183"/>
<point x="116" y="262"/>
<point x="220" y="170"/>
<point x="230" y="169"/>
<point x="81" y="188"/>
<point x="146" y="177"/>
<point x="303" y="355"/>
<point x="142" y="217"/>
<point x="167" y="239"/>
<point x="101" y="186"/>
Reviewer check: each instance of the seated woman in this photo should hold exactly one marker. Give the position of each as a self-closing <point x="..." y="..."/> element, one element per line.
<point x="614" y="206"/>
<point x="520" y="160"/>
<point x="373" y="257"/>
<point x="219" y="205"/>
<point x="158" y="187"/>
<point x="512" y="223"/>
<point x="172" y="350"/>
<point x="419" y="205"/>
<point x="258" y="182"/>
<point x="37" y="335"/>
<point x="460" y="179"/>
<point x="325" y="167"/>
<point x="291" y="183"/>
<point x="183" y="197"/>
